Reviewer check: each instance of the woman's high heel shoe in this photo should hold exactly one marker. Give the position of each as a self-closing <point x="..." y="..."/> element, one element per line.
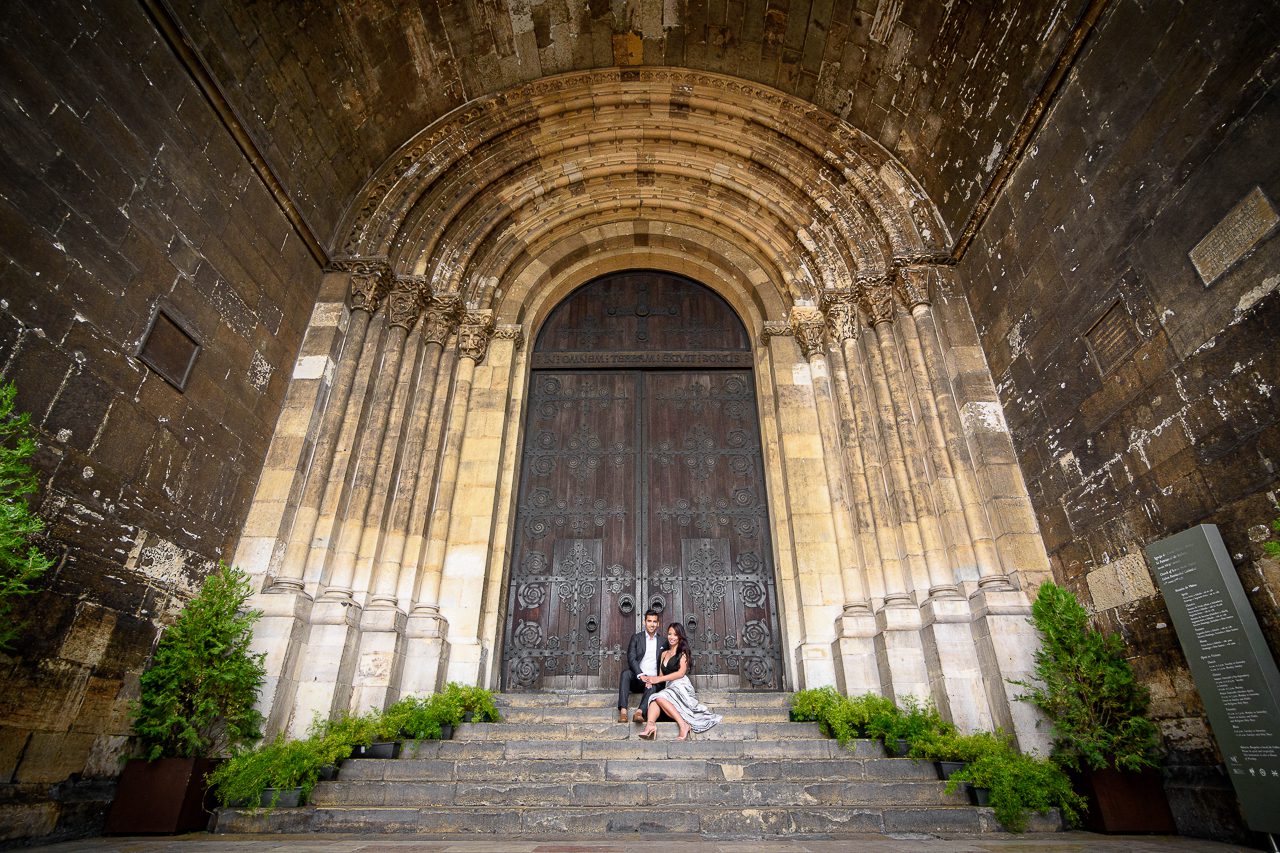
<point x="649" y="735"/>
<point x="686" y="736"/>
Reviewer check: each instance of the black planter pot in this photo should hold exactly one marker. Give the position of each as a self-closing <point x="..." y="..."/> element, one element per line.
<point x="382" y="749"/>
<point x="946" y="768"/>
<point x="281" y="798"/>
<point x="328" y="773"/>
<point x="468" y="716"/>
<point x="979" y="796"/>
<point x="897" y="748"/>
<point x="165" y="796"/>
<point x="446" y="731"/>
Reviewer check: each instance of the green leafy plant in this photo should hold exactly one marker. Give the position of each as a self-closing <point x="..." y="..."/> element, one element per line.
<point x="476" y="701"/>
<point x="855" y="716"/>
<point x="1086" y="688"/>
<point x="947" y="744"/>
<point x="338" y="737"/>
<point x="915" y="721"/>
<point x="21" y="562"/>
<point x="197" y="697"/>
<point x="814" y="704"/>
<point x="280" y="764"/>
<point x="1019" y="783"/>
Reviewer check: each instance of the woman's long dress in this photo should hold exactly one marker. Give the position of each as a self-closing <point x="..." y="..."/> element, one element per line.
<point x="680" y="694"/>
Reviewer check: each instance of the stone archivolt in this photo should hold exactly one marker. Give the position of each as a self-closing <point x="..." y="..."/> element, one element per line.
<point x="380" y="525"/>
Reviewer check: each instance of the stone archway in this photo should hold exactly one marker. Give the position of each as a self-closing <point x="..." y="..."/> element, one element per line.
<point x="902" y="534"/>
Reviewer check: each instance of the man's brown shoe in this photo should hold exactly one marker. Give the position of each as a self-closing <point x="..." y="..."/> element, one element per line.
<point x="637" y="717"/>
<point x="622" y="715"/>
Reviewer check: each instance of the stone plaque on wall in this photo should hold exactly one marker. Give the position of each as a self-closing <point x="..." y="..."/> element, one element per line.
<point x="1233" y="669"/>
<point x="1235" y="236"/>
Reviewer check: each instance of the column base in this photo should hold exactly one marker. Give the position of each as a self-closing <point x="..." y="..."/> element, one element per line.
<point x="814" y="666"/>
<point x="426" y="653"/>
<point x="325" y="676"/>
<point x="1006" y="643"/>
<point x="900" y="653"/>
<point x="280" y="633"/>
<point x="380" y="659"/>
<point x="954" y="672"/>
<point x="854" y="653"/>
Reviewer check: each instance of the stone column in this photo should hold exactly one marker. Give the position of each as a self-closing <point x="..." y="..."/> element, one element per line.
<point x="854" y="647"/>
<point x="899" y="647"/>
<point x="287" y="609"/>
<point x="427" y="629"/>
<point x="379" y="658"/>
<point x="913" y="284"/>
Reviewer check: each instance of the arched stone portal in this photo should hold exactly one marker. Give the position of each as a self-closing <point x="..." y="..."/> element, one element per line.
<point x="901" y="531"/>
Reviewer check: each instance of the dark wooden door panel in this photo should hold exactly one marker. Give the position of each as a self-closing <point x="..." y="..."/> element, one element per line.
<point x="641" y="487"/>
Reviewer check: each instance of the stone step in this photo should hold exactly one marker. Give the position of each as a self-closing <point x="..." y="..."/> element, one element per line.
<point x="604" y="699"/>
<point x="614" y="730"/>
<point x="586" y="820"/>
<point x="630" y="794"/>
<point x="596" y="714"/>
<point x="665" y="768"/>
<point x="517" y="747"/>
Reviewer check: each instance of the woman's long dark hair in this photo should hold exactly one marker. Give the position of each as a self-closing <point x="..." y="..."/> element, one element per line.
<point x="682" y="647"/>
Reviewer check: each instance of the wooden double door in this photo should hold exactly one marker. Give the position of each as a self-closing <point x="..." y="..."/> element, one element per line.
<point x="641" y="488"/>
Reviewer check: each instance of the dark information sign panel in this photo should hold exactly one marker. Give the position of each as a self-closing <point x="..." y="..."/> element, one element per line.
<point x="1230" y="662"/>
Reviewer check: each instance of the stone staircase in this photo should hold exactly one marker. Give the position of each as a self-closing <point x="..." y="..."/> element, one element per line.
<point x="560" y="763"/>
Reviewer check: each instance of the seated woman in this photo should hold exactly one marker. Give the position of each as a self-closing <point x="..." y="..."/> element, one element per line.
<point x="677" y="699"/>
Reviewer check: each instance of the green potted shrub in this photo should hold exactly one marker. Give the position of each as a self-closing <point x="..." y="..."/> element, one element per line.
<point x="950" y="751"/>
<point x="1087" y="690"/>
<point x="814" y="705"/>
<point x="1014" y="784"/>
<point x="196" y="704"/>
<point x="478" y="705"/>
<point x="905" y="725"/>
<point x="278" y="773"/>
<point x="853" y="716"/>
<point x="337" y="739"/>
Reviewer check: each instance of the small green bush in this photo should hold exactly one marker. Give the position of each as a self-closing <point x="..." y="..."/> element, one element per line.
<point x="281" y="764"/>
<point x="916" y="721"/>
<point x="815" y="704"/>
<point x="478" y="702"/>
<point x="338" y="737"/>
<point x="21" y="562"/>
<point x="197" y="697"/>
<point x="1019" y="784"/>
<point x="1086" y="688"/>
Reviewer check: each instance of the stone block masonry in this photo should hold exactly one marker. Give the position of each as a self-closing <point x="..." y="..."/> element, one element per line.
<point x="119" y="193"/>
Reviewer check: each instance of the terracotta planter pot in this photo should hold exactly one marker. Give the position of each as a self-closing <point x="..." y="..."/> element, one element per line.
<point x="164" y="796"/>
<point x="1124" y="801"/>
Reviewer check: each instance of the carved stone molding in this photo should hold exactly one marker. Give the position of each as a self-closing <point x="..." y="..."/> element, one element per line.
<point x="875" y="297"/>
<point x="441" y="317"/>
<point x="924" y="258"/>
<point x="404" y="301"/>
<point x="806" y="325"/>
<point x="912" y="285"/>
<point x="774" y="329"/>
<point x="473" y="334"/>
<point x="511" y="332"/>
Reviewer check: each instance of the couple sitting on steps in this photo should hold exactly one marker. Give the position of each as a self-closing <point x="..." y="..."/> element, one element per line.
<point x="660" y="670"/>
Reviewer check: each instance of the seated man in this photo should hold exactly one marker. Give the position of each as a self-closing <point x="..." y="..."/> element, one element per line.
<point x="642" y="659"/>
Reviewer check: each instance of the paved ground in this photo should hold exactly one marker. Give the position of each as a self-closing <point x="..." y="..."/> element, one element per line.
<point x="1062" y="842"/>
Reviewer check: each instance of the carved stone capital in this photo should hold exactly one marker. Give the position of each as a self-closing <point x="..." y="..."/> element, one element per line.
<point x="842" y="316"/>
<point x="473" y="334"/>
<point x="404" y="301"/>
<point x="441" y="317"/>
<point x="912" y="285"/>
<point x="512" y="332"/>
<point x="806" y="325"/>
<point x="875" y="297"/>
<point x="369" y="281"/>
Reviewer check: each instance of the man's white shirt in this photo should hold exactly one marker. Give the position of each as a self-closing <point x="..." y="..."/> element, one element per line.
<point x="649" y="663"/>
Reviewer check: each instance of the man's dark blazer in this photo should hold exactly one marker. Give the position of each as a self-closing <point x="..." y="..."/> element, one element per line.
<point x="635" y="651"/>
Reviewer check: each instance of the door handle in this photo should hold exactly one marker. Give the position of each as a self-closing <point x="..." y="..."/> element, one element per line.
<point x="626" y="605"/>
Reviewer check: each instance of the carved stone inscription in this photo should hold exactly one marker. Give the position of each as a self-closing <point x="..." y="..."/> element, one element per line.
<point x="1235" y="236"/>
<point x="1230" y="662"/>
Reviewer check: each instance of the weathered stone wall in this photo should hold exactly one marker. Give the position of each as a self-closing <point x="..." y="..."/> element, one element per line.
<point x="332" y="90"/>
<point x="1167" y="123"/>
<point x="120" y="190"/>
